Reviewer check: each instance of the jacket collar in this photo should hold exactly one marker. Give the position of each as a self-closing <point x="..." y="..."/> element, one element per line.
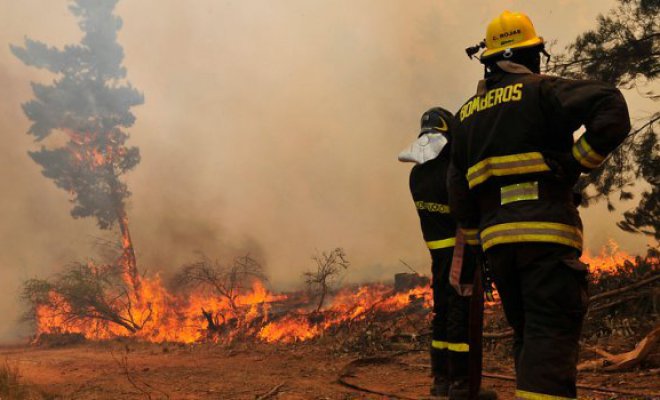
<point x="506" y="66"/>
<point x="513" y="68"/>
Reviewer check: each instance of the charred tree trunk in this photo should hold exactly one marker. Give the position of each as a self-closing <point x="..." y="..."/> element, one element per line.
<point x="324" y="292"/>
<point x="213" y="325"/>
<point x="128" y="259"/>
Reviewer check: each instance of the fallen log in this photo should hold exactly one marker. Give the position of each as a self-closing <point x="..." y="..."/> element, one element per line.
<point x="619" y="362"/>
<point x="615" y="302"/>
<point x="499" y="335"/>
<point x="624" y="289"/>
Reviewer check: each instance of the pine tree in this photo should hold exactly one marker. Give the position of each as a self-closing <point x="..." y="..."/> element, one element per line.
<point x="89" y="102"/>
<point x="624" y="49"/>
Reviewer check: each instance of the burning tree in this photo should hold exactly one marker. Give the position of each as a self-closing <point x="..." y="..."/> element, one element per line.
<point x="89" y="104"/>
<point x="89" y="295"/>
<point x="225" y="282"/>
<point x="328" y="267"/>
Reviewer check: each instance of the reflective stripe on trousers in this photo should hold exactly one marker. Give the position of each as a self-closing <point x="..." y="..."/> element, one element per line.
<point x="441" y="244"/>
<point x="514" y="164"/>
<point x="533" y="231"/>
<point x="525" y="395"/>
<point x="456" y="347"/>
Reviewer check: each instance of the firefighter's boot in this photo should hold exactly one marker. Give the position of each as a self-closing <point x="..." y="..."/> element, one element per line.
<point x="460" y="390"/>
<point x="439" y="366"/>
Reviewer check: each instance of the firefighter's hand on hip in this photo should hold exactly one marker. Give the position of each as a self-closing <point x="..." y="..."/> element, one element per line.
<point x="564" y="167"/>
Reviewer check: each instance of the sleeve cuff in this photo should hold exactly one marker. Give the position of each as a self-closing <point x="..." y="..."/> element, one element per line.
<point x="585" y="155"/>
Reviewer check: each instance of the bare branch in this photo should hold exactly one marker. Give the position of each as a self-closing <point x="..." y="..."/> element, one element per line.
<point x="329" y="266"/>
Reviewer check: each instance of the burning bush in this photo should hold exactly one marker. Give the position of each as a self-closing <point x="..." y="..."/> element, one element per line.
<point x="86" y="294"/>
<point x="237" y="288"/>
<point x="226" y="301"/>
<point x="213" y="301"/>
<point x="328" y="268"/>
<point x="624" y="295"/>
<point x="227" y="282"/>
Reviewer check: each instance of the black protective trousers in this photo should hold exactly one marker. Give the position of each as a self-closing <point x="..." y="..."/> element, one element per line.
<point x="449" y="348"/>
<point x="543" y="288"/>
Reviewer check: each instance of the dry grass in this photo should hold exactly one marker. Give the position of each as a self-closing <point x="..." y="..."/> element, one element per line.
<point x="12" y="389"/>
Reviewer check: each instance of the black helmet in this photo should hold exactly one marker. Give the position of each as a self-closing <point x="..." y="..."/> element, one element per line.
<point x="436" y="120"/>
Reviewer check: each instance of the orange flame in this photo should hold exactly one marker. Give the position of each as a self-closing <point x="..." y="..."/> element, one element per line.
<point x="162" y="317"/>
<point x="157" y="315"/>
<point x="608" y="260"/>
<point x="289" y="329"/>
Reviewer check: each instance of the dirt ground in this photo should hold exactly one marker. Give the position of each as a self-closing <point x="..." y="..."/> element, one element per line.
<point x="117" y="370"/>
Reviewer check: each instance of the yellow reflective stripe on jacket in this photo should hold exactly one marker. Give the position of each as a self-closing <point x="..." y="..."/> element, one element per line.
<point x="525" y="395"/>
<point x="519" y="192"/>
<point x="585" y="155"/>
<point x="432" y="207"/>
<point x="517" y="232"/>
<point x="471" y="236"/>
<point x="514" y="164"/>
<point x="441" y="244"/>
<point x="455" y="347"/>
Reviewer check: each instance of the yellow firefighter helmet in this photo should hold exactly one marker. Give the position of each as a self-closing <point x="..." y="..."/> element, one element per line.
<point x="510" y="30"/>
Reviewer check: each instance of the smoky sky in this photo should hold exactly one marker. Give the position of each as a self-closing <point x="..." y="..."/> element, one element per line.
<point x="268" y="126"/>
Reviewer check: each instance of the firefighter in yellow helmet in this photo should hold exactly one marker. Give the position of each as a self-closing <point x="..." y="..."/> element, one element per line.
<point x="514" y="165"/>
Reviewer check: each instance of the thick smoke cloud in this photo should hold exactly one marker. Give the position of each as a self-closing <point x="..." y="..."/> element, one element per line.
<point x="269" y="127"/>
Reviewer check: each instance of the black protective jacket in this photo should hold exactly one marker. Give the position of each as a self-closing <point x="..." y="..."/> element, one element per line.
<point x="514" y="159"/>
<point x="428" y="185"/>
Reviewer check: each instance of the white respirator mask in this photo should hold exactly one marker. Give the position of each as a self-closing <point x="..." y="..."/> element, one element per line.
<point x="425" y="148"/>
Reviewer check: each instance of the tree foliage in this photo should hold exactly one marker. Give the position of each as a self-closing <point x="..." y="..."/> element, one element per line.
<point x="89" y="102"/>
<point x="624" y="49"/>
